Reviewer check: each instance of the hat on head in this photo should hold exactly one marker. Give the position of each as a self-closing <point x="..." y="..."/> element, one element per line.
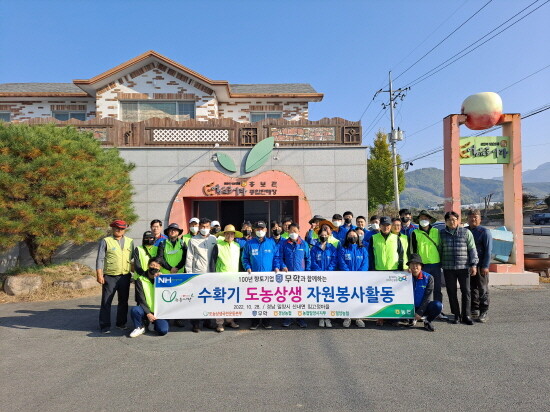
<point x="215" y="223"/>
<point x="121" y="224"/>
<point x="173" y="226"/>
<point x="385" y="220"/>
<point x="325" y="222"/>
<point x="316" y="218"/>
<point x="229" y="229"/>
<point x="260" y="224"/>
<point x="148" y="234"/>
<point x="425" y="213"/>
<point x="415" y="258"/>
<point x="194" y="220"/>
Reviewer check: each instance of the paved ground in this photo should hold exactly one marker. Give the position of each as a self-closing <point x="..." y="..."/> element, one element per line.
<point x="54" y="360"/>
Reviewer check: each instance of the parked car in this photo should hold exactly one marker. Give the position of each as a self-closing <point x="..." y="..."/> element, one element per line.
<point x="540" y="218"/>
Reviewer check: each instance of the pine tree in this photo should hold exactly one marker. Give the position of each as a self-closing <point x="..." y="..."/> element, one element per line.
<point x="58" y="185"/>
<point x="380" y="173"/>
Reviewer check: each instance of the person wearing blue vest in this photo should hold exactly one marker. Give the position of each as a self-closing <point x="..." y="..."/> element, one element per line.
<point x="407" y="227"/>
<point x="363" y="239"/>
<point x="480" y="283"/>
<point x="353" y="256"/>
<point x="156" y="228"/>
<point x="425" y="308"/>
<point x="145" y="299"/>
<point x="374" y="226"/>
<point x="324" y="257"/>
<point x="459" y="260"/>
<point x="260" y="254"/>
<point x="295" y="258"/>
<point x="113" y="271"/>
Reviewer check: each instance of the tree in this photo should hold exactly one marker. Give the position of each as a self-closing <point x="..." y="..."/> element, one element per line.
<point x="58" y="185"/>
<point x="527" y="199"/>
<point x="547" y="201"/>
<point x="380" y="173"/>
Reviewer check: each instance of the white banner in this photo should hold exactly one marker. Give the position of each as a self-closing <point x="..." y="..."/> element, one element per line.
<point x="284" y="295"/>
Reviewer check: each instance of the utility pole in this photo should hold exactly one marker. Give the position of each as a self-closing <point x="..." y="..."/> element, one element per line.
<point x="394" y="135"/>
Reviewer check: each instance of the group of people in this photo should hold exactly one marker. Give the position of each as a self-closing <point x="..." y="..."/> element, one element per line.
<point x="453" y="252"/>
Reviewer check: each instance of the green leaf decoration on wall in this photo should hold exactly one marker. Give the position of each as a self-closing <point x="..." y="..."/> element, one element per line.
<point x="259" y="154"/>
<point x="226" y="162"/>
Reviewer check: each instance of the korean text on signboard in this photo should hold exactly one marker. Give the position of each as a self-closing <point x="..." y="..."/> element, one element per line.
<point x="484" y="150"/>
<point x="285" y="295"/>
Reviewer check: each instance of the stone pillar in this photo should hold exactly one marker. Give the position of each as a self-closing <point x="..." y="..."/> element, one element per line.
<point x="513" y="192"/>
<point x="451" y="159"/>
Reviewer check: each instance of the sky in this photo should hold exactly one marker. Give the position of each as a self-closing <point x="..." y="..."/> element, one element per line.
<point x="344" y="49"/>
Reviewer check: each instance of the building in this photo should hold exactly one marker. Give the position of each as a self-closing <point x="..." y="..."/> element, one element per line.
<point x="203" y="147"/>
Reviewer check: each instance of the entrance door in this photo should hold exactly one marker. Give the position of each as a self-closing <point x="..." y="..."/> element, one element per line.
<point x="237" y="211"/>
<point x="231" y="212"/>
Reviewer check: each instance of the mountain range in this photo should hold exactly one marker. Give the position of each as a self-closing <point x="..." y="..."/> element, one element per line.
<point x="424" y="187"/>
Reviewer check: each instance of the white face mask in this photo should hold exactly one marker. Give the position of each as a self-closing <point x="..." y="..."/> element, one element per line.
<point x="375" y="226"/>
<point x="424" y="223"/>
<point x="194" y="229"/>
<point x="260" y="233"/>
<point x="205" y="232"/>
<point x="293" y="236"/>
<point x="337" y="223"/>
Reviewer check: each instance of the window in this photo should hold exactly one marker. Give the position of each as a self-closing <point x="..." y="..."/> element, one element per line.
<point x="257" y="116"/>
<point x="5" y="116"/>
<point x="137" y="111"/>
<point x="69" y="115"/>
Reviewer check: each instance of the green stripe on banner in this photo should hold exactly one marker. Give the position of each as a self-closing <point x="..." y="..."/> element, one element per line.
<point x="394" y="311"/>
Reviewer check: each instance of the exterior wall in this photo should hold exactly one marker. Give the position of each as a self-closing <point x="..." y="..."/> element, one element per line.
<point x="150" y="81"/>
<point x="334" y="179"/>
<point x="240" y="111"/>
<point x="37" y="107"/>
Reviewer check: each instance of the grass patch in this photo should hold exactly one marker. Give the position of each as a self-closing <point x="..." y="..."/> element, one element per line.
<point x="65" y="271"/>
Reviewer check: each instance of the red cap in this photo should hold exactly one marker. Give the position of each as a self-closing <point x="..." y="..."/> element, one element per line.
<point x="121" y="224"/>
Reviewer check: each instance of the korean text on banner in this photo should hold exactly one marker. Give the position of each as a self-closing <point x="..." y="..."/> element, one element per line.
<point x="285" y="295"/>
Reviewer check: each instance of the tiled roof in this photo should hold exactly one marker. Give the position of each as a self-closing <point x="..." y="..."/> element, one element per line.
<point x="283" y="88"/>
<point x="39" y="88"/>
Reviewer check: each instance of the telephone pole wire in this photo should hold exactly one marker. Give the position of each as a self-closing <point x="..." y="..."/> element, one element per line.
<point x="394" y="135"/>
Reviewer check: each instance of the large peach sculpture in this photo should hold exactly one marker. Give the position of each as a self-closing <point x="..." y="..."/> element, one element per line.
<point x="483" y="110"/>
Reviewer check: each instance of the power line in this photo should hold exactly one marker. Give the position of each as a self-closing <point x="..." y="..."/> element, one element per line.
<point x="430" y="35"/>
<point x="442" y="41"/>
<point x="450" y="60"/>
<point x="500" y="91"/>
<point x="530" y="113"/>
<point x="375" y="121"/>
<point x="411" y="52"/>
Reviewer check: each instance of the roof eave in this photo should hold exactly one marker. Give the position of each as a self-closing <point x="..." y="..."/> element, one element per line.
<point x="145" y="56"/>
<point x="43" y="94"/>
<point x="313" y="96"/>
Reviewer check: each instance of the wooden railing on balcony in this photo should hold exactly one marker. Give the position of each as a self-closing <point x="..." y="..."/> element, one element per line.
<point x="166" y="132"/>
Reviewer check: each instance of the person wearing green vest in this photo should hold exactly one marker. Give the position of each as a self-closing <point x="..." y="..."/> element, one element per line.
<point x="386" y="249"/>
<point x="145" y="299"/>
<point x="329" y="227"/>
<point x="227" y="255"/>
<point x="172" y="251"/>
<point x="113" y="271"/>
<point x="143" y="253"/>
<point x="425" y="241"/>
<point x="396" y="229"/>
<point x="286" y="223"/>
<point x="193" y="230"/>
<point x="312" y="237"/>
